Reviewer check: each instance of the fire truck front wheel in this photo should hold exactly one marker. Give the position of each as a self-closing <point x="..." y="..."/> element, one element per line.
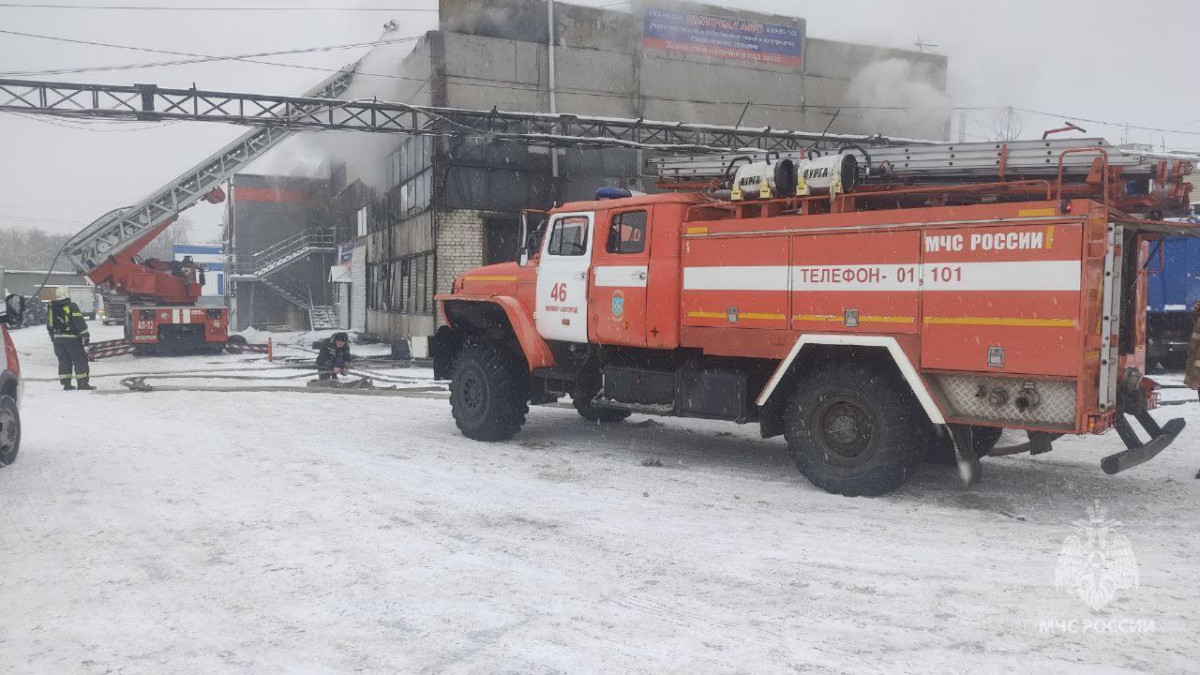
<point x="489" y="392"/>
<point x="853" y="429"/>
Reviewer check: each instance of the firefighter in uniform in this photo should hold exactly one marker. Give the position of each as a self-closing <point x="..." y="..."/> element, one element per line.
<point x="1191" y="373"/>
<point x="334" y="357"/>
<point x="69" y="332"/>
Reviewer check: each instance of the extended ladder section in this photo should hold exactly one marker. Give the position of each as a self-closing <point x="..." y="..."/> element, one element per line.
<point x="944" y="162"/>
<point x="117" y="230"/>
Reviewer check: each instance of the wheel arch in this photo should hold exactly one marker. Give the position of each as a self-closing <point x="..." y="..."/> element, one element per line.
<point x="492" y="317"/>
<point x="810" y="348"/>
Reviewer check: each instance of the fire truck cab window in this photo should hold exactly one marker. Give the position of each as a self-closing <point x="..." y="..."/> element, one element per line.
<point x="568" y="236"/>
<point x="627" y="234"/>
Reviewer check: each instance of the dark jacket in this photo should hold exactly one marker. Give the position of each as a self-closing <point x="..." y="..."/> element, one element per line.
<point x="331" y="356"/>
<point x="63" y="319"/>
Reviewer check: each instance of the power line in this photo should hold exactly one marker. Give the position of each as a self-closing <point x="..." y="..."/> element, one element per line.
<point x="196" y="57"/>
<point x="202" y="8"/>
<point x="90" y="125"/>
<point x="1075" y="118"/>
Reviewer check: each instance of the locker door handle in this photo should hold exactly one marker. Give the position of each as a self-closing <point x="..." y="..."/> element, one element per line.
<point x="642" y="276"/>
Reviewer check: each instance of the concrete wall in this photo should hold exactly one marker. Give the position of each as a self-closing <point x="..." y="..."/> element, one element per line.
<point x="831" y="68"/>
<point x="496" y="55"/>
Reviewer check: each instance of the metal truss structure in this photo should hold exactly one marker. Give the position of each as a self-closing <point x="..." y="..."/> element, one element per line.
<point x="277" y="117"/>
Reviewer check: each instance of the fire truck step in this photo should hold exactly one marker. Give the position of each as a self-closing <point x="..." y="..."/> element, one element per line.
<point x="1139" y="454"/>
<point x="645" y="408"/>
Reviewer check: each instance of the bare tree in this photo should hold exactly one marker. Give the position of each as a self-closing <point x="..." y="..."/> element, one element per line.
<point x="163" y="246"/>
<point x="31" y="249"/>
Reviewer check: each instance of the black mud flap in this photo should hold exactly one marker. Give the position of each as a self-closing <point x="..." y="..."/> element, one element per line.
<point x="969" y="468"/>
<point x="444" y="346"/>
<point x="1138" y="452"/>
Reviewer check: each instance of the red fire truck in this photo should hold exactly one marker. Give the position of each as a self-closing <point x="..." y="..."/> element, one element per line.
<point x="876" y="307"/>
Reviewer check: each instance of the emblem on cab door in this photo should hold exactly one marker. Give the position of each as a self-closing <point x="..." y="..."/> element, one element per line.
<point x="618" y="305"/>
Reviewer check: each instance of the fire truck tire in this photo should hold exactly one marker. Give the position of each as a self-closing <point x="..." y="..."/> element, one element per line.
<point x="489" y="392"/>
<point x="591" y="413"/>
<point x="853" y="429"/>
<point x="940" y="449"/>
<point x="10" y="430"/>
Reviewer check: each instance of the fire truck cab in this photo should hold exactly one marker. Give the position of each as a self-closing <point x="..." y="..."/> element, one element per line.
<point x="874" y="329"/>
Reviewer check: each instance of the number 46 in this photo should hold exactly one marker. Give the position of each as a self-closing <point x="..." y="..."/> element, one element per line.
<point x="558" y="292"/>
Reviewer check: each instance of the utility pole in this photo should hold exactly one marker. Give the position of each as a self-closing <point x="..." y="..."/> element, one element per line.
<point x="553" y="101"/>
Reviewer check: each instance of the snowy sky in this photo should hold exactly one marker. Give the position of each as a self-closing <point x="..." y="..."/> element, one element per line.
<point x="1095" y="60"/>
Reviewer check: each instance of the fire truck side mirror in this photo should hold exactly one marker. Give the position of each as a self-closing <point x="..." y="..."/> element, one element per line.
<point x="523" y="238"/>
<point x="531" y="240"/>
<point x="14" y="306"/>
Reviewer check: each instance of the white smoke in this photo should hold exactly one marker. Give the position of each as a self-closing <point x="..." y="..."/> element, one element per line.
<point x="365" y="154"/>
<point x="899" y="97"/>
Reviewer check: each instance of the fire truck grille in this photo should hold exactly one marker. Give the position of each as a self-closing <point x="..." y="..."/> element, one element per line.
<point x="1009" y="399"/>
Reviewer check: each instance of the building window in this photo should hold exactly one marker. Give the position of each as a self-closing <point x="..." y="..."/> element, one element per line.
<point x="362" y="222"/>
<point x="627" y="234"/>
<point x="402" y="285"/>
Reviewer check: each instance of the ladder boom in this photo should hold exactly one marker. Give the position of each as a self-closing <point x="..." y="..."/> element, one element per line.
<point x="118" y="231"/>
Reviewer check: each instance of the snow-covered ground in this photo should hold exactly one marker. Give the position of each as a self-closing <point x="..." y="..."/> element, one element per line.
<point x="200" y="532"/>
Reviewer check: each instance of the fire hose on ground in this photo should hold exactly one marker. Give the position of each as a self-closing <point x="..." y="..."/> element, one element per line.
<point x="361" y="387"/>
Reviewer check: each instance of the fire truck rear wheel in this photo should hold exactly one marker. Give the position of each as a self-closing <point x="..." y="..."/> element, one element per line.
<point x="489" y="392"/>
<point x="853" y="429"/>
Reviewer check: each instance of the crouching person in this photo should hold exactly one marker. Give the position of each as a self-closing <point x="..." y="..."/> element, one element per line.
<point x="334" y="357"/>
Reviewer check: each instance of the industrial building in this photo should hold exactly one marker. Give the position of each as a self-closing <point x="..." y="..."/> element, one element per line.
<point x="279" y="247"/>
<point x="29" y="282"/>
<point x="449" y="205"/>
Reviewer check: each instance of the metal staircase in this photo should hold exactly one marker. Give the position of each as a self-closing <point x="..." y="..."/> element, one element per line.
<point x="267" y="267"/>
<point x="282" y="254"/>
<point x="320" y="317"/>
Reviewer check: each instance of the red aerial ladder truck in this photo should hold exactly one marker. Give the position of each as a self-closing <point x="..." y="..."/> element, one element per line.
<point x="159" y="297"/>
<point x="875" y="306"/>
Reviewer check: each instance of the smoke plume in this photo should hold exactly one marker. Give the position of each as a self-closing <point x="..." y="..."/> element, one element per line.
<point x="898" y="97"/>
<point x="364" y="154"/>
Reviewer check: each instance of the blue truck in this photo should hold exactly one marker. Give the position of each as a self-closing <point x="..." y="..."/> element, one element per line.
<point x="1172" y="292"/>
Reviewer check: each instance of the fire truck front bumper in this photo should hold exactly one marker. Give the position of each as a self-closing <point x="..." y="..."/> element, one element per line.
<point x="1139" y="452"/>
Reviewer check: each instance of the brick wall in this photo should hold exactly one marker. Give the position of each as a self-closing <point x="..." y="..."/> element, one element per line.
<point x="459" y="245"/>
